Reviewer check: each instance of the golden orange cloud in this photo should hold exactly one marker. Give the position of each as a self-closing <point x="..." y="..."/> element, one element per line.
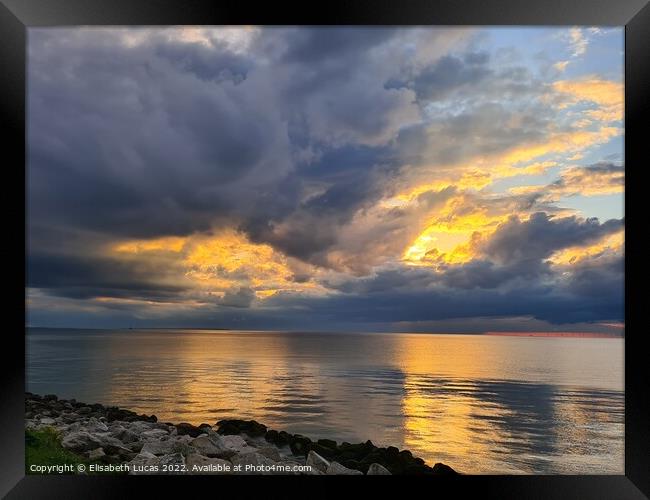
<point x="224" y="261"/>
<point x="609" y="96"/>
<point x="611" y="245"/>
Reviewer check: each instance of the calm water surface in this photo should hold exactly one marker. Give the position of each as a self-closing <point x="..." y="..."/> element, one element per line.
<point x="505" y="405"/>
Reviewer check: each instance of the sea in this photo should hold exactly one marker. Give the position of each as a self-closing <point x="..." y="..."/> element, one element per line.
<point x="481" y="404"/>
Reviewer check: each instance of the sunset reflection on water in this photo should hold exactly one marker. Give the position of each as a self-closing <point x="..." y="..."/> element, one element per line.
<point x="480" y="404"/>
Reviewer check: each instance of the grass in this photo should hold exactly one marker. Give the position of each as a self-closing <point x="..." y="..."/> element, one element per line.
<point x="43" y="447"/>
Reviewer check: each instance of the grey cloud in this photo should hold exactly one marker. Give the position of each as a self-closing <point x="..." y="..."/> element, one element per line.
<point x="324" y="44"/>
<point x="486" y="129"/>
<point x="447" y="74"/>
<point x="541" y="235"/>
<point x="242" y="297"/>
<point x="84" y="277"/>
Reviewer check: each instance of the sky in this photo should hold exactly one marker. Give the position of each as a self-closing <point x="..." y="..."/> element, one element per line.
<point x="423" y="179"/>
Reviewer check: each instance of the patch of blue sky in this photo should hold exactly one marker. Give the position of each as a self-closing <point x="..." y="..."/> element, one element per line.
<point x="604" y="56"/>
<point x="610" y="151"/>
<point x="539" y="48"/>
<point x="541" y="180"/>
<point x="604" y="207"/>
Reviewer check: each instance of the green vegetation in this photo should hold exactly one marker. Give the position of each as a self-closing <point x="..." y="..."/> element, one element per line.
<point x="43" y="448"/>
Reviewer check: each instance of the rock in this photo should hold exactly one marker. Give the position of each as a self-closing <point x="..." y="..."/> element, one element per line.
<point x="317" y="462"/>
<point x="188" y="429"/>
<point x="443" y="469"/>
<point x="347" y="455"/>
<point x="198" y="464"/>
<point x="253" y="461"/>
<point x="152" y="434"/>
<point x="96" y="454"/>
<point x="228" y="427"/>
<point x="158" y="447"/>
<point x="237" y="444"/>
<point x="126" y="435"/>
<point x="376" y="469"/>
<point x="69" y="418"/>
<point x="144" y="463"/>
<point x="272" y="436"/>
<point x="355" y="451"/>
<point x="163" y="426"/>
<point x="374" y="456"/>
<point x="211" y="446"/>
<point x="253" y="428"/>
<point x="232" y="426"/>
<point x="139" y="427"/>
<point x="50" y="397"/>
<point x="179" y="444"/>
<point x="48" y="421"/>
<point x="336" y="468"/>
<point x="300" y="445"/>
<point x="84" y="410"/>
<point x="135" y="446"/>
<point x="173" y="464"/>
<point x="113" y="413"/>
<point x="95" y="425"/>
<point x="76" y="427"/>
<point x="356" y="465"/>
<point x="284" y="438"/>
<point x="323" y="451"/>
<point x="327" y="443"/>
<point x="270" y="452"/>
<point x="80" y="441"/>
<point x="119" y="451"/>
<point x="413" y="469"/>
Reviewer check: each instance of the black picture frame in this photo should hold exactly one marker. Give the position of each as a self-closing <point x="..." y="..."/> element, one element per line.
<point x="18" y="15"/>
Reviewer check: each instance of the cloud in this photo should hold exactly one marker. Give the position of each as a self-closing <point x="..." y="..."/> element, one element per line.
<point x="598" y="179"/>
<point x="242" y="297"/>
<point x="605" y="97"/>
<point x="578" y="41"/>
<point x="539" y="236"/>
<point x="273" y="176"/>
<point x="448" y="74"/>
<point x="88" y="276"/>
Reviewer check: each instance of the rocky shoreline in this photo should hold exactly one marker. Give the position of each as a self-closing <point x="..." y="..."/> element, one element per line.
<point x="119" y="440"/>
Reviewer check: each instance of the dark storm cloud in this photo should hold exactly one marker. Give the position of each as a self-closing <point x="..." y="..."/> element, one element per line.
<point x="321" y="44"/>
<point x="207" y="63"/>
<point x="552" y="304"/>
<point x="537" y="238"/>
<point x="138" y="146"/>
<point x="166" y="137"/>
<point x="447" y="74"/>
<point x="241" y="297"/>
<point x="84" y="277"/>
